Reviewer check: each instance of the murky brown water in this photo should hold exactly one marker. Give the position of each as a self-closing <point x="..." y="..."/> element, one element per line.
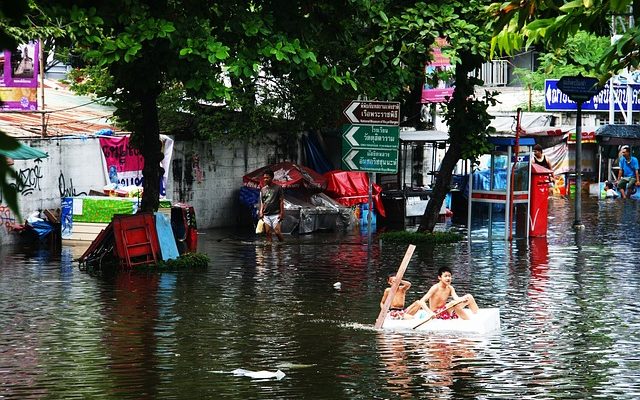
<point x="570" y="322"/>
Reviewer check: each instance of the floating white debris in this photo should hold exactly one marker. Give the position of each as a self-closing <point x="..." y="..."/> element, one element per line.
<point x="337" y="285"/>
<point x="258" y="374"/>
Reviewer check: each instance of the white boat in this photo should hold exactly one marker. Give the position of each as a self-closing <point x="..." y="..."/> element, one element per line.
<point x="486" y="320"/>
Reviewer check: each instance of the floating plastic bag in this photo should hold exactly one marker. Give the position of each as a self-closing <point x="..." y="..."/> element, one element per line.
<point x="258" y="374"/>
<point x="260" y="226"/>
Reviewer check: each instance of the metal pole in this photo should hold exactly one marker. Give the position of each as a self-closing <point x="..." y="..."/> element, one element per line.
<point x="612" y="103"/>
<point x="507" y="204"/>
<point x="578" y="168"/>
<point x="629" y="119"/>
<point x="370" y="204"/>
<point x="511" y="187"/>
<point x="41" y="71"/>
<point x="469" y="203"/>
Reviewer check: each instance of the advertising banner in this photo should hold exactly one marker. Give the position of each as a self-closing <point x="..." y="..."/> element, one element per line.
<point x="124" y="163"/>
<point x="66" y="217"/>
<point x="19" y="78"/>
<point x="440" y="63"/>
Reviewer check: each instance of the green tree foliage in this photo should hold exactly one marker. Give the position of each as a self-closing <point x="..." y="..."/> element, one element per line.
<point x="552" y="25"/>
<point x="579" y="55"/>
<point x="227" y="70"/>
<point x="407" y="34"/>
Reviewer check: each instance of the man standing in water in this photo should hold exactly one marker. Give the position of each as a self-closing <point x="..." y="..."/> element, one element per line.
<point x="271" y="206"/>
<point x="628" y="174"/>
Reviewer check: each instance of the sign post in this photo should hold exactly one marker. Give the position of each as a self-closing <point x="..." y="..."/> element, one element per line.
<point x="370" y="143"/>
<point x="579" y="89"/>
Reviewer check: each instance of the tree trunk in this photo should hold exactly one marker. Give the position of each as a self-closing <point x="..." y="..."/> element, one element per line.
<point x="151" y="151"/>
<point x="459" y="114"/>
<point x="440" y="189"/>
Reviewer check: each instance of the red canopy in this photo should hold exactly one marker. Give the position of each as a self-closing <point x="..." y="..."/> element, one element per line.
<point x="288" y="175"/>
<point x="352" y="187"/>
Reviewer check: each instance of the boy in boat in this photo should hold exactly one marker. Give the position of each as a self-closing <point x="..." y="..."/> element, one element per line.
<point x="396" y="309"/>
<point x="439" y="293"/>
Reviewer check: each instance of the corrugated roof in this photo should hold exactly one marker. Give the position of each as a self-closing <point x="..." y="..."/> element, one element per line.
<point x="65" y="114"/>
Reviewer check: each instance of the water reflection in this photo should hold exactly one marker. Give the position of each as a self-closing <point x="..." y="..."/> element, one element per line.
<point x="130" y="344"/>
<point x="417" y="364"/>
<point x="570" y="324"/>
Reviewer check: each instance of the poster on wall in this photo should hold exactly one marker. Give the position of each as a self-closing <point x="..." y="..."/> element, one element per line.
<point x="124" y="163"/>
<point x="66" y="217"/>
<point x="19" y="78"/>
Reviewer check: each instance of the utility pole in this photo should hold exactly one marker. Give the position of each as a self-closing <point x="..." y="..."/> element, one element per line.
<point x="579" y="89"/>
<point x="41" y="83"/>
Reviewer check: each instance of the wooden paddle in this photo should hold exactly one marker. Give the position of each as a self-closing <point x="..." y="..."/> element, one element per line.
<point x="447" y="308"/>
<point x="394" y="286"/>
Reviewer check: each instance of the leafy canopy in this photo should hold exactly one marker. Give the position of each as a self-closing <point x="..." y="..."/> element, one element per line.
<point x="580" y="55"/>
<point x="230" y="69"/>
<point x="551" y="24"/>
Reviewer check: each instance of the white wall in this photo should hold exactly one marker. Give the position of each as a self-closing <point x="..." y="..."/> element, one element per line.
<point x="74" y="167"/>
<point x="202" y="174"/>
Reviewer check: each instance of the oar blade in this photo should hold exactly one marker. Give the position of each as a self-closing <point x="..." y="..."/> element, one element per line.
<point x="392" y="292"/>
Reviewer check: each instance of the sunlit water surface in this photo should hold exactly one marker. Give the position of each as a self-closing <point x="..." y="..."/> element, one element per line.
<point x="569" y="314"/>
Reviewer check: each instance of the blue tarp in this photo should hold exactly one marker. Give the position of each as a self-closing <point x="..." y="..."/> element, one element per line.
<point x="42" y="228"/>
<point x="250" y="197"/>
<point x="482" y="180"/>
<point x="315" y="157"/>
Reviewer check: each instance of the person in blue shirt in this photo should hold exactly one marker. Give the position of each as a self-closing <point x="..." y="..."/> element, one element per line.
<point x="628" y="177"/>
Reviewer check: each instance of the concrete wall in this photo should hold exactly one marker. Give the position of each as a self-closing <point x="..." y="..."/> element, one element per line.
<point x="205" y="175"/>
<point x="209" y="177"/>
<point x="73" y="168"/>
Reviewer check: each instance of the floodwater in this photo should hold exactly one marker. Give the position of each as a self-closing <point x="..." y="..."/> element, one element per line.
<point x="570" y="320"/>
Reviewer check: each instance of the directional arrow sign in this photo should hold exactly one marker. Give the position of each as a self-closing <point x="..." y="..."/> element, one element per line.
<point x="579" y="88"/>
<point x="371" y="160"/>
<point x="371" y="136"/>
<point x="373" y="112"/>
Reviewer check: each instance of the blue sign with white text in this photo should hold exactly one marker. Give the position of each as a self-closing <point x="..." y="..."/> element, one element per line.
<point x="556" y="100"/>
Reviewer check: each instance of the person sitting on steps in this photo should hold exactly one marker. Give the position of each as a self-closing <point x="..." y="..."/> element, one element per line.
<point x="628" y="177"/>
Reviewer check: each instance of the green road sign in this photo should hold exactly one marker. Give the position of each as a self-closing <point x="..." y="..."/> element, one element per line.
<point x="373" y="112"/>
<point x="370" y="160"/>
<point x="371" y="136"/>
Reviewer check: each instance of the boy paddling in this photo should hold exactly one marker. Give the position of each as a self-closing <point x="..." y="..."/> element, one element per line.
<point x="396" y="309"/>
<point x="439" y="294"/>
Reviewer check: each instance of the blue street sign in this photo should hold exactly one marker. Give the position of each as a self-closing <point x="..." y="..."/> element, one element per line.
<point x="556" y="100"/>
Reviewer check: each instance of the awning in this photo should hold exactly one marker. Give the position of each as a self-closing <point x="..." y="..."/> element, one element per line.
<point x="531" y="123"/>
<point x="424" y="136"/>
<point x="288" y="175"/>
<point x="23" y="152"/>
<point x="617" y="135"/>
<point x="588" y="135"/>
